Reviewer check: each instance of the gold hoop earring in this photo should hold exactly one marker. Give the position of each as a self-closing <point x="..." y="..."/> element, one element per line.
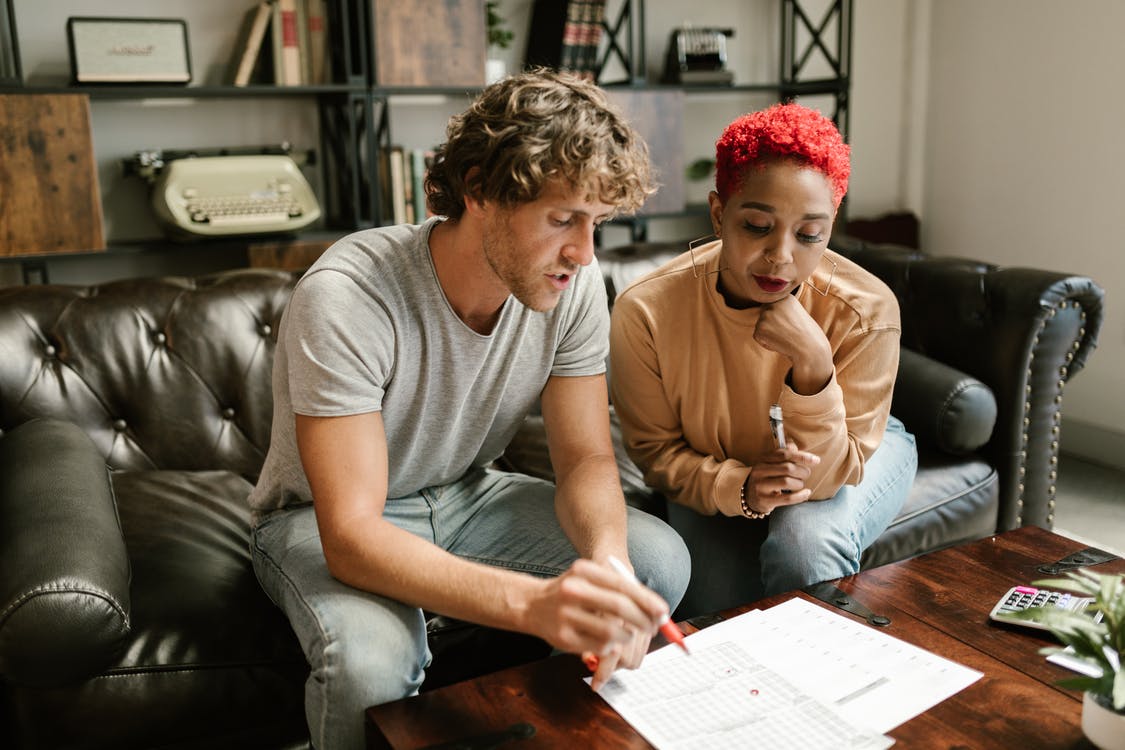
<point x="827" y="286"/>
<point x="695" y="272"/>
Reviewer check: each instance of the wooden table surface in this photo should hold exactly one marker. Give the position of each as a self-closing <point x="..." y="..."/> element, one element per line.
<point x="939" y="602"/>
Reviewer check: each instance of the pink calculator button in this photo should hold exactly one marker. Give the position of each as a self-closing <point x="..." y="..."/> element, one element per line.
<point x="1025" y="590"/>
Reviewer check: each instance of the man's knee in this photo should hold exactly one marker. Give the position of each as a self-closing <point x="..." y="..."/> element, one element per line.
<point x="363" y="657"/>
<point x="659" y="556"/>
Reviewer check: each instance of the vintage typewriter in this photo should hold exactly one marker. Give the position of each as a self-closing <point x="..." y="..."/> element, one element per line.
<point x="227" y="192"/>
<point x="698" y="56"/>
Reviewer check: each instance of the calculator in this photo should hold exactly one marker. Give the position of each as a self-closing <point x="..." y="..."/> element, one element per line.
<point x="1019" y="598"/>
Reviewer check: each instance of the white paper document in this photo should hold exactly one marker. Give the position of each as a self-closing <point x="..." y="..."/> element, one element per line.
<point x="796" y="675"/>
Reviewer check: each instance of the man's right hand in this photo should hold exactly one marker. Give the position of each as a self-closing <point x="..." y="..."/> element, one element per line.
<point x="592" y="608"/>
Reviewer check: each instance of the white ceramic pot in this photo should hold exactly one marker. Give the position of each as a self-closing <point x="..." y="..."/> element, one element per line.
<point x="1103" y="727"/>
<point x="494" y="70"/>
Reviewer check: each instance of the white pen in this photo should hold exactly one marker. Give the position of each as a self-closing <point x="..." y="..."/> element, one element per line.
<point x="777" y="427"/>
<point x="667" y="627"/>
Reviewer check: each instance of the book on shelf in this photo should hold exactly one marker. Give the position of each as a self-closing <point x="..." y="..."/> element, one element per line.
<point x="565" y="35"/>
<point x="590" y="38"/>
<point x="408" y="187"/>
<point x="316" y="21"/>
<point x="248" y="48"/>
<point x="572" y="35"/>
<point x="302" y="16"/>
<point x="286" y="44"/>
<point x="402" y="180"/>
<point x="398" y="185"/>
<point x="420" y="161"/>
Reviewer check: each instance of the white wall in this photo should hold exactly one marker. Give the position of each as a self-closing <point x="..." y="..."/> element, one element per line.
<point x="1024" y="165"/>
<point x="999" y="123"/>
<point x="889" y="80"/>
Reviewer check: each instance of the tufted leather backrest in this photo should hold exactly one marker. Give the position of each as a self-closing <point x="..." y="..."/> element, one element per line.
<point x="162" y="373"/>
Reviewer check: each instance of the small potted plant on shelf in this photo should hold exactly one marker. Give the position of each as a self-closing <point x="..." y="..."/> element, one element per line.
<point x="1100" y="645"/>
<point x="499" y="38"/>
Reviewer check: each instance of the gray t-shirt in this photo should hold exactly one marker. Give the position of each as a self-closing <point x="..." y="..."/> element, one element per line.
<point x="368" y="328"/>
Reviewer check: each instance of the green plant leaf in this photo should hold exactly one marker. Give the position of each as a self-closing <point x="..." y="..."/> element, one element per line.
<point x="1081" y="683"/>
<point x="700" y="169"/>
<point x="1100" y="644"/>
<point x="1077" y="586"/>
<point x="498" y="36"/>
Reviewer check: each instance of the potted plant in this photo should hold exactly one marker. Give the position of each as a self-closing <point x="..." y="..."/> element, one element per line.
<point x="499" y="37"/>
<point x="1100" y="645"/>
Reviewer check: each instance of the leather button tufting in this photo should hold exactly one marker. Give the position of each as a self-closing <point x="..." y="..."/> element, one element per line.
<point x="119" y="425"/>
<point x="228" y="413"/>
<point x="50" y="350"/>
<point x="265" y="329"/>
<point x="159" y="338"/>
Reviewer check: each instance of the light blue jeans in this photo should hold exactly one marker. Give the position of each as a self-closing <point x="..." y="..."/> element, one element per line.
<point x="364" y="649"/>
<point x="800" y="544"/>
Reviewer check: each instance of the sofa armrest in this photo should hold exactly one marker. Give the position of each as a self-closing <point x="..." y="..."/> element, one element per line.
<point x="1023" y="332"/>
<point x="943" y="407"/>
<point x="64" y="569"/>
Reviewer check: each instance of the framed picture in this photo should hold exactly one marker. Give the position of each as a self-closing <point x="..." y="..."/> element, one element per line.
<point x="10" y="73"/>
<point x="128" y="50"/>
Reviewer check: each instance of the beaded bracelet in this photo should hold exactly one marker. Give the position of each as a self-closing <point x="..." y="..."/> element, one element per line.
<point x="746" y="509"/>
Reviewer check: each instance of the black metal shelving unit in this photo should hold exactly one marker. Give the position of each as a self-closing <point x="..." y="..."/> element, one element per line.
<point x="835" y="49"/>
<point x="806" y="39"/>
<point x="343" y="108"/>
<point x="353" y="112"/>
<point x="625" y="35"/>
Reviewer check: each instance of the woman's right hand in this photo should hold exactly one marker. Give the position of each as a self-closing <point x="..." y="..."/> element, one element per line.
<point x="778" y="479"/>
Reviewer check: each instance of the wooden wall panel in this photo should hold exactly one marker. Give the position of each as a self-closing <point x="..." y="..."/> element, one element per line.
<point x="659" y="117"/>
<point x="49" y="197"/>
<point x="289" y="255"/>
<point x="429" y="42"/>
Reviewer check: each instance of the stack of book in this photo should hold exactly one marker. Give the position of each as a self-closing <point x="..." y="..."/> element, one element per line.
<point x="282" y="42"/>
<point x="402" y="174"/>
<point x="565" y="35"/>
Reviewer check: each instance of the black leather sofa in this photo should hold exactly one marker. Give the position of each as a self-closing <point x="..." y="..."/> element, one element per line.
<point x="134" y="417"/>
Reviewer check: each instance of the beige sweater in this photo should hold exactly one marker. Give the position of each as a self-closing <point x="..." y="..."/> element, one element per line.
<point x="693" y="389"/>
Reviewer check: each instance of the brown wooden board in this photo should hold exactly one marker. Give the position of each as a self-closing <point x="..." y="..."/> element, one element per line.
<point x="938" y="602"/>
<point x="659" y="117"/>
<point x="290" y="255"/>
<point x="49" y="197"/>
<point x="429" y="42"/>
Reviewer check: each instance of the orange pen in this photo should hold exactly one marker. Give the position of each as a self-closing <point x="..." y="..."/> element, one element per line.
<point x="667" y="628"/>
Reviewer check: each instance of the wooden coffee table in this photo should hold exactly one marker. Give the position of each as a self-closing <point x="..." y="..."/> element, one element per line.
<point x="939" y="601"/>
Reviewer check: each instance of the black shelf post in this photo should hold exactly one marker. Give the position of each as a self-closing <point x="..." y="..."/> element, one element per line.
<point x="11" y="73"/>
<point x="347" y="139"/>
<point x="836" y="52"/>
<point x="625" y="39"/>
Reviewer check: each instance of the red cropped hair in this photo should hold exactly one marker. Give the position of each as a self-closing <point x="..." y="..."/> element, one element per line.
<point x="781" y="132"/>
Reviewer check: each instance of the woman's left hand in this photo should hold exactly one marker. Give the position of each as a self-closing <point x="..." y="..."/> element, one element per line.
<point x="787" y="328"/>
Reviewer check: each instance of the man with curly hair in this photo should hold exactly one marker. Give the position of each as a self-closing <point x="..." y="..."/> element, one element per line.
<point x="702" y="348"/>
<point x="407" y="358"/>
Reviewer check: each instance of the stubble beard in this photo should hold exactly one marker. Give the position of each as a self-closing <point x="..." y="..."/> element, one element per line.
<point x="504" y="259"/>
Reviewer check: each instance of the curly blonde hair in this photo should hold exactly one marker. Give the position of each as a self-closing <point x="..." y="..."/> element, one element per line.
<point x="534" y="127"/>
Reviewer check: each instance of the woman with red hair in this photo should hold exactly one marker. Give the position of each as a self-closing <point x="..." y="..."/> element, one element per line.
<point x="765" y="316"/>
